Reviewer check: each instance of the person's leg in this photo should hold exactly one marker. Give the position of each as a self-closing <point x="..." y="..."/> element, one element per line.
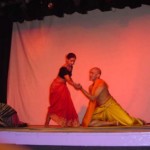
<point x="98" y="123"/>
<point x="47" y="120"/>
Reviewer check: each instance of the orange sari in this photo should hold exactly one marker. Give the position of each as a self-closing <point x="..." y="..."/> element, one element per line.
<point x="92" y="104"/>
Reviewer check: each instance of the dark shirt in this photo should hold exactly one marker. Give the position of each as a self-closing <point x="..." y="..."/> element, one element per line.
<point x="64" y="71"/>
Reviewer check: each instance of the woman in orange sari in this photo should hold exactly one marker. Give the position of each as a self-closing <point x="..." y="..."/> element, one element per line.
<point x="61" y="108"/>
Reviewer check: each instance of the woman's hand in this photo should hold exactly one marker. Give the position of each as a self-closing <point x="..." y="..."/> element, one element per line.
<point x="77" y="86"/>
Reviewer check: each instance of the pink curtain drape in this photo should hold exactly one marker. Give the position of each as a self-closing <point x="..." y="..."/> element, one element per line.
<point x="118" y="43"/>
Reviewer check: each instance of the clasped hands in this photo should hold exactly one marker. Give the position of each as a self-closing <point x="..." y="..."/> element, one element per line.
<point x="77" y="86"/>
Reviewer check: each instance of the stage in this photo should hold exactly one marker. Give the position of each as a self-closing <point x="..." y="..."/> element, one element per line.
<point x="120" y="136"/>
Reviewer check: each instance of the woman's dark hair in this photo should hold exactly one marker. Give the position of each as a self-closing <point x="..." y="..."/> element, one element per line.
<point x="70" y="55"/>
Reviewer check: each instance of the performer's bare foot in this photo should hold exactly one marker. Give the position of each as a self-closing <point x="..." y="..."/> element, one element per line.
<point x="46" y="125"/>
<point x="47" y="121"/>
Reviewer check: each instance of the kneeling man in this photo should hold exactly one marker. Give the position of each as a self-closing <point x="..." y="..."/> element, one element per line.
<point x="103" y="109"/>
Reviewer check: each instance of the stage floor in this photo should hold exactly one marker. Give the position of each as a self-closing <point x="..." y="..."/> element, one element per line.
<point x="90" y="136"/>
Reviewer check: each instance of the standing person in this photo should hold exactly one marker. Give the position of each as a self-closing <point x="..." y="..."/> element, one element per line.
<point x="61" y="108"/>
<point x="103" y="109"/>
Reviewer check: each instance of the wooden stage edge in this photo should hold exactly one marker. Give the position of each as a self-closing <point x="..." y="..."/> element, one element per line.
<point x="90" y="136"/>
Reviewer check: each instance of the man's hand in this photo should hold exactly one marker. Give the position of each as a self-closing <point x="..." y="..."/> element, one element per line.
<point x="77" y="86"/>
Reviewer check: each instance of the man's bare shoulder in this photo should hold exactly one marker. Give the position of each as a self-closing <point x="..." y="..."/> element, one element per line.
<point x="103" y="83"/>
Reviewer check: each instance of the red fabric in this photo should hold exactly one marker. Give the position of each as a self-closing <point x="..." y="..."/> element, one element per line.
<point x="61" y="108"/>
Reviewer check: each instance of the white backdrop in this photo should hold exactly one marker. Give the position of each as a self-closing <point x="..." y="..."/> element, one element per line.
<point x="117" y="41"/>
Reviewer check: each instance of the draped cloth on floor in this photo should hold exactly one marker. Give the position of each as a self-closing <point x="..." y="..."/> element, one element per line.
<point x="92" y="104"/>
<point x="9" y="117"/>
<point x="112" y="111"/>
<point x="61" y="108"/>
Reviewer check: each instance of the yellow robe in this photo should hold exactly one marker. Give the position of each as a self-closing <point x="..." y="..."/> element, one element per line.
<point x="112" y="111"/>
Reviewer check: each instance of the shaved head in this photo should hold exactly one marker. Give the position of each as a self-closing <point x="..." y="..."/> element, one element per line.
<point x="97" y="70"/>
<point x="94" y="73"/>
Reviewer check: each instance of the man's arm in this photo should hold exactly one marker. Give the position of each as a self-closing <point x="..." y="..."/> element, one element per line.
<point x="95" y="95"/>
